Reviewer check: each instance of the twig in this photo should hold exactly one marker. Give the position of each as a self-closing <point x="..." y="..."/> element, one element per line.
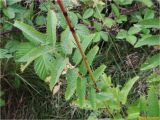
<point x="77" y="42"/>
<point x="17" y="30"/>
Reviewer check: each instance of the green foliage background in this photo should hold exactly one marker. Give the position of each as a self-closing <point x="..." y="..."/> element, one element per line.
<point x="43" y="73"/>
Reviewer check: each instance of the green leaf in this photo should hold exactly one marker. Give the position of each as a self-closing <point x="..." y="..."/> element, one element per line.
<point x="82" y="30"/>
<point x="125" y="90"/>
<point x="104" y="35"/>
<point x="134" y="30"/>
<point x="11" y="2"/>
<point x="58" y="66"/>
<point x="88" y="13"/>
<point x="81" y="91"/>
<point x="30" y="33"/>
<point x="150" y="41"/>
<point x="154" y="78"/>
<point x="92" y="116"/>
<point x="97" y="37"/>
<point x="103" y="96"/>
<point x="72" y="75"/>
<point x="92" y="97"/>
<point x="97" y="13"/>
<point x="146" y="2"/>
<point x="99" y="71"/>
<point x="152" y="101"/>
<point x="121" y="18"/>
<point x="107" y="79"/>
<point x="131" y="39"/>
<point x="9" y="12"/>
<point x="62" y="21"/>
<point x="44" y="6"/>
<point x="97" y="26"/>
<point x="32" y="55"/>
<point x="2" y="102"/>
<point x="16" y="82"/>
<point x="109" y="22"/>
<point x="121" y="34"/>
<point x="1" y="93"/>
<point x="12" y="45"/>
<point x="149" y="14"/>
<point x="115" y="10"/>
<point x="43" y="65"/>
<point x="143" y="104"/>
<point x="85" y="43"/>
<point x="152" y="62"/>
<point x="2" y="4"/>
<point x="4" y="53"/>
<point x="51" y="27"/>
<point x="133" y="111"/>
<point x="40" y="20"/>
<point x="23" y="48"/>
<point x="123" y="2"/>
<point x="67" y="41"/>
<point x="150" y="23"/>
<point x="74" y="18"/>
<point x="90" y="57"/>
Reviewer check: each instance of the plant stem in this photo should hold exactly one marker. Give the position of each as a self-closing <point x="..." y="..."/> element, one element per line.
<point x="77" y="42"/>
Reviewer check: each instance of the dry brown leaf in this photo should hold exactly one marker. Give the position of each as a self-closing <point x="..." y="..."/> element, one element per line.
<point x="75" y="2"/>
<point x="67" y="67"/>
<point x="56" y="88"/>
<point x="157" y="47"/>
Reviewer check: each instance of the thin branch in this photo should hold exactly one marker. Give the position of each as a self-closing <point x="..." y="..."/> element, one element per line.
<point x="77" y="42"/>
<point x="14" y="30"/>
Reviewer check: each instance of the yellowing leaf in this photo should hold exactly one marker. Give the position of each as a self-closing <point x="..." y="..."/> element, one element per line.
<point x="57" y="88"/>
